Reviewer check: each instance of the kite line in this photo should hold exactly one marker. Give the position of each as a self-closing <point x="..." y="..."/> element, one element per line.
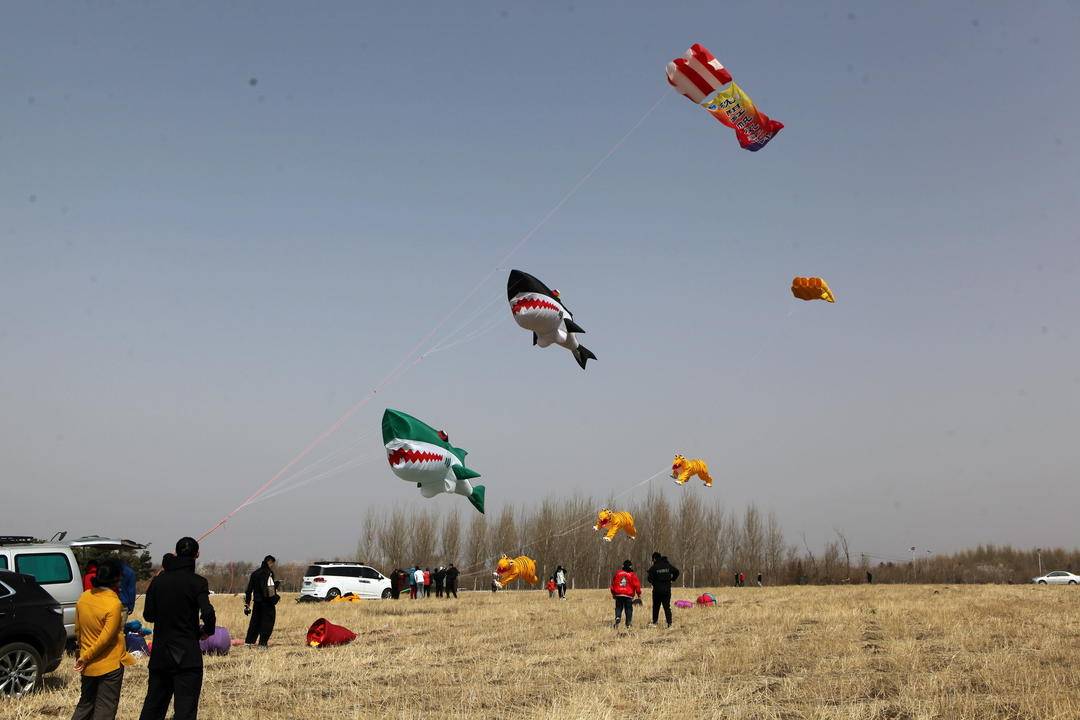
<point x="414" y="355"/>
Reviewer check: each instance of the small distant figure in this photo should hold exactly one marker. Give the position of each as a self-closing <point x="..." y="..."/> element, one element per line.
<point x="869" y="577"/>
<point x="417" y="582"/>
<point x="736" y="579"/>
<point x="625" y="586"/>
<point x="100" y="652"/>
<point x="759" y="583"/>
<point x="551" y="586"/>
<point x="742" y="579"/>
<point x="440" y="580"/>
<point x="427" y="582"/>
<point x="560" y="581"/>
<point x="262" y="589"/>
<point x="451" y="580"/>
<point x="395" y="584"/>
<point x="494" y="582"/>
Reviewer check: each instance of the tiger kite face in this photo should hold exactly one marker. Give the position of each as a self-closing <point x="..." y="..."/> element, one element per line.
<point x="677" y="465"/>
<point x="504" y="565"/>
<point x="604" y="518"/>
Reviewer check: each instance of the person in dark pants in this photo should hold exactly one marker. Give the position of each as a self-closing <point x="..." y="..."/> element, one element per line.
<point x="440" y="580"/>
<point x="560" y="581"/>
<point x="262" y="589"/>
<point x="624" y="587"/>
<point x="451" y="580"/>
<point x="101" y="655"/>
<point x="660" y="576"/>
<point x="759" y="582"/>
<point x="174" y="602"/>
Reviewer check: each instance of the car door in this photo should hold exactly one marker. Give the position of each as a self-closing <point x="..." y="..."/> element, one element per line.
<point x="369" y="579"/>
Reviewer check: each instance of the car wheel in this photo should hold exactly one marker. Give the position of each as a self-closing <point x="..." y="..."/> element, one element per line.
<point x="332" y="593"/>
<point x="386" y="594"/>
<point x="1042" y="582"/>
<point x="20" y="669"/>
<point x="1072" y="582"/>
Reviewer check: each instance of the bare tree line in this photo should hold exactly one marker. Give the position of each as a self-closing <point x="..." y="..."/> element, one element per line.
<point x="708" y="542"/>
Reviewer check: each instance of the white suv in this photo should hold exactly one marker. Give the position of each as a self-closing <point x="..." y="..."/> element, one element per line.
<point x="328" y="580"/>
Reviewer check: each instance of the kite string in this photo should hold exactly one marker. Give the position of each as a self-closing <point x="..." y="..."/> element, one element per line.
<point x="405" y="364"/>
<point x="349" y="465"/>
<point x="588" y="519"/>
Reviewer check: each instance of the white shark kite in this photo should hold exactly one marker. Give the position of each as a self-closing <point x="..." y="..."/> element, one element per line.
<point x="420" y="454"/>
<point x="538" y="308"/>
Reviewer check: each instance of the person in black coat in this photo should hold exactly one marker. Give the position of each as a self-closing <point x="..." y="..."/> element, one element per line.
<point x="451" y="580"/>
<point x="660" y="576"/>
<point x="439" y="576"/>
<point x="262" y="588"/>
<point x="174" y="602"/>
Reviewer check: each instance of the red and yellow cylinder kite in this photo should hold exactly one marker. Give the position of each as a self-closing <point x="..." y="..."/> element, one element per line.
<point x="811" y="288"/>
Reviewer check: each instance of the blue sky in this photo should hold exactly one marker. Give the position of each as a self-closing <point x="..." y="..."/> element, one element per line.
<point x="221" y="226"/>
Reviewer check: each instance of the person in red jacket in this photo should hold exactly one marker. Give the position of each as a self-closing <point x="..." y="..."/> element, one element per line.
<point x="625" y="586"/>
<point x="91" y="573"/>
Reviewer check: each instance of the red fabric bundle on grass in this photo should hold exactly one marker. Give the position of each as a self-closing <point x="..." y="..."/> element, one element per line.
<point x="324" y="633"/>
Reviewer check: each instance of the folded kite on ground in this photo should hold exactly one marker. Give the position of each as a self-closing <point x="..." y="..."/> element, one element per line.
<point x="324" y="633"/>
<point x="216" y="644"/>
<point x="683" y="604"/>
<point x="346" y="598"/>
<point x="706" y="599"/>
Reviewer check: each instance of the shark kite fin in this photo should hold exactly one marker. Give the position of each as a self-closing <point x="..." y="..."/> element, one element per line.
<point x="477" y="498"/>
<point x="583" y="355"/>
<point x="463" y="473"/>
<point x="573" y="327"/>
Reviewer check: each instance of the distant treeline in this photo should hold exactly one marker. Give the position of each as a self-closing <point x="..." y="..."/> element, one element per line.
<point x="708" y="542"/>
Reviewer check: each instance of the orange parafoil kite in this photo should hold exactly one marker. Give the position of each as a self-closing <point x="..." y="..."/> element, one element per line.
<point x="811" y="288"/>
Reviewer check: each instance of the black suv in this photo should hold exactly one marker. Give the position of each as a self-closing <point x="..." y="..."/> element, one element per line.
<point x="32" y="635"/>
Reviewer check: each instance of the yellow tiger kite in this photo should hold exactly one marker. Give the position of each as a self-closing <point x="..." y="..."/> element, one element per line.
<point x="682" y="469"/>
<point x="509" y="569"/>
<point x="614" y="521"/>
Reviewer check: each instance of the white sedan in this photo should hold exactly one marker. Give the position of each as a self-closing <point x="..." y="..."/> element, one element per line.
<point x="1058" y="577"/>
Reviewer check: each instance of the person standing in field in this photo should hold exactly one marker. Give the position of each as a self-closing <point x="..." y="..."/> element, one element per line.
<point x="440" y="580"/>
<point x="427" y="582"/>
<point x="451" y="580"/>
<point x="418" y="582"/>
<point x="742" y="579"/>
<point x="660" y="576"/>
<point x="100" y="650"/>
<point x="759" y="580"/>
<point x="262" y="590"/>
<point x="174" y="602"/>
<point x="551" y="586"/>
<point x="625" y="586"/>
<point x="560" y="581"/>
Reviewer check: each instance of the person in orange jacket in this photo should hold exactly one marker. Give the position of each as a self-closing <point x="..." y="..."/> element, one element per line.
<point x="551" y="587"/>
<point x="625" y="586"/>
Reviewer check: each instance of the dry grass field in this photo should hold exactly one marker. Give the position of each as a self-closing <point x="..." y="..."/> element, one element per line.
<point x="857" y="653"/>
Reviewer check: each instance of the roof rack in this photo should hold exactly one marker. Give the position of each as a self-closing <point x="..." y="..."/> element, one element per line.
<point x="19" y="540"/>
